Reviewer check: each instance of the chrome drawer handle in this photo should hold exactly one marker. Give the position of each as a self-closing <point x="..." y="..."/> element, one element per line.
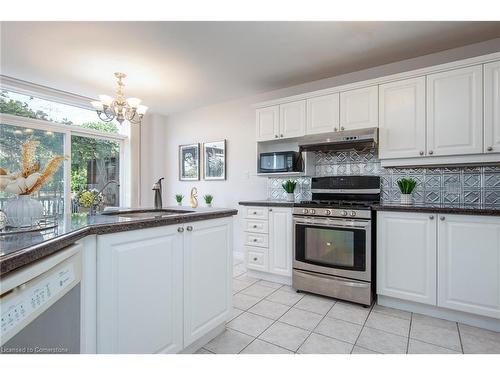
<point x="442" y="218"/>
<point x="421" y="153"/>
<point x="189" y="228"/>
<point x="431" y="152"/>
<point x="180" y="229"/>
<point x="255" y="259"/>
<point x="490" y="148"/>
<point x="431" y="217"/>
<point x="255" y="226"/>
<point x="255" y="240"/>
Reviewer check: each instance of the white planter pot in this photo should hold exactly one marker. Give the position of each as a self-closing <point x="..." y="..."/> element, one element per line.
<point x="406" y="199"/>
<point x="23" y="211"/>
<point x="290" y="197"/>
<point x="179" y="203"/>
<point x="209" y="205"/>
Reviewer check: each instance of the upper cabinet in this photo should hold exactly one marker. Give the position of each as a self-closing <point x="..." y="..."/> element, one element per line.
<point x="402" y="119"/>
<point x="293" y="119"/>
<point x="492" y="107"/>
<point x="454" y="112"/>
<point x="323" y="114"/>
<point x="268" y="123"/>
<point x="359" y="108"/>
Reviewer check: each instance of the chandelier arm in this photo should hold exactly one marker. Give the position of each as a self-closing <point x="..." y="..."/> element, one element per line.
<point x="107" y="118"/>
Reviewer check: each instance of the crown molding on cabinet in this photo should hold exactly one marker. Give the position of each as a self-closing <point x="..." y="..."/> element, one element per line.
<point x="385" y="79"/>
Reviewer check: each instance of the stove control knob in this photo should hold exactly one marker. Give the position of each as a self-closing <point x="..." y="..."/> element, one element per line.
<point x="306" y="210"/>
<point x="313" y="211"/>
<point x="352" y="213"/>
<point x="343" y="213"/>
<point x="328" y="212"/>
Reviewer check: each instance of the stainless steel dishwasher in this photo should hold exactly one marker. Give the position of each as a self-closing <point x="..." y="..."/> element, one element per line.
<point x="40" y="306"/>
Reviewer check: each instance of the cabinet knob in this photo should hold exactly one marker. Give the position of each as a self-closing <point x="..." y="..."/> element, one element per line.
<point x="189" y="228"/>
<point x="341" y="128"/>
<point x="335" y="129"/>
<point x="180" y="229"/>
<point x="255" y="259"/>
<point x="276" y="136"/>
<point x="421" y="153"/>
<point x="270" y="210"/>
<point x="431" y="152"/>
<point x="255" y="226"/>
<point x="255" y="212"/>
<point x="255" y="240"/>
<point x="442" y="218"/>
<point x="281" y="135"/>
<point x="431" y="217"/>
<point x="490" y="148"/>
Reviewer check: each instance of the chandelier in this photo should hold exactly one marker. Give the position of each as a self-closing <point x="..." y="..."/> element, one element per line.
<point x="120" y="108"/>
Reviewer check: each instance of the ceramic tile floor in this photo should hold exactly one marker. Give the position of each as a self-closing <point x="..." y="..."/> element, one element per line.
<point x="271" y="318"/>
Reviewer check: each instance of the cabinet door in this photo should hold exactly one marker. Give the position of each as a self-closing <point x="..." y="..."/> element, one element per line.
<point x="406" y="256"/>
<point x="454" y="112"/>
<point x="293" y="119"/>
<point x="280" y="246"/>
<point x="492" y="107"/>
<point x="359" y="108"/>
<point x="267" y="123"/>
<point x="207" y="276"/>
<point x="469" y="264"/>
<point x="323" y="114"/>
<point x="402" y="119"/>
<point x="139" y="291"/>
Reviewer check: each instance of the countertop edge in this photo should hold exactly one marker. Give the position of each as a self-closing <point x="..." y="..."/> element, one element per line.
<point x="25" y="256"/>
<point x="267" y="203"/>
<point x="443" y="210"/>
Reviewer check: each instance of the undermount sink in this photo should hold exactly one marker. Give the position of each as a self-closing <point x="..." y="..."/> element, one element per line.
<point x="146" y="213"/>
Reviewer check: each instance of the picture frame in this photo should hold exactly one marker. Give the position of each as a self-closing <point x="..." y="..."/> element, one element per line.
<point x="214" y="160"/>
<point x="189" y="162"/>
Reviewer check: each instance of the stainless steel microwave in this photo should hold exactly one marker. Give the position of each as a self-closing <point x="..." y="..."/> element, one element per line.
<point x="284" y="161"/>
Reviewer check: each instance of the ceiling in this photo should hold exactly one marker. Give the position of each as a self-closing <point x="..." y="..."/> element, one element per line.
<point x="177" y="66"/>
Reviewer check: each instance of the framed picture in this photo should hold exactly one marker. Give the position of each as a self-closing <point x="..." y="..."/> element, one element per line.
<point x="214" y="156"/>
<point x="189" y="162"/>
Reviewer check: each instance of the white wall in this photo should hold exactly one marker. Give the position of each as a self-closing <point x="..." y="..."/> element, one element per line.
<point x="235" y="122"/>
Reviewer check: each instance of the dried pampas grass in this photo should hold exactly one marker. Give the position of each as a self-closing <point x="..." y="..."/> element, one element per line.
<point x="28" y="156"/>
<point x="47" y="174"/>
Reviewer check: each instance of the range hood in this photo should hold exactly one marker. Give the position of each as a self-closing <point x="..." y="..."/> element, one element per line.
<point x="359" y="139"/>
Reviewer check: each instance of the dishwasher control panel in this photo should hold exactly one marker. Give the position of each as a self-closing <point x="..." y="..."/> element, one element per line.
<point x="24" y="303"/>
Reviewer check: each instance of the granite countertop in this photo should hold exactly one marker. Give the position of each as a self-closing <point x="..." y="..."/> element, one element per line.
<point x="267" y="203"/>
<point x="18" y="250"/>
<point x="461" y="209"/>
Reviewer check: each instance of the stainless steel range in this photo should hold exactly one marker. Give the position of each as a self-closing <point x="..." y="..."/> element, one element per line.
<point x="334" y="238"/>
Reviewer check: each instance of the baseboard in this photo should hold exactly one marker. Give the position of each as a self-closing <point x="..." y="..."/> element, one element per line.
<point x="439" y="312"/>
<point x="198" y="344"/>
<point x="270" y="277"/>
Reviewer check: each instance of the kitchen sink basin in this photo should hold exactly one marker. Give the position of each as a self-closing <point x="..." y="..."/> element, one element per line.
<point x="144" y="214"/>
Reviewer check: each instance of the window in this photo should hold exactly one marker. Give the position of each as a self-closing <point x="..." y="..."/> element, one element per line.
<point x="95" y="150"/>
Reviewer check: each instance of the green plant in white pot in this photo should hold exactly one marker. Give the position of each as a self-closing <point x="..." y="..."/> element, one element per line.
<point x="179" y="198"/>
<point x="406" y="187"/>
<point x="208" y="199"/>
<point x="289" y="187"/>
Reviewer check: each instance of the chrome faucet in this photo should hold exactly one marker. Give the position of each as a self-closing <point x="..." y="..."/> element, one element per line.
<point x="157" y="190"/>
<point x="93" y="206"/>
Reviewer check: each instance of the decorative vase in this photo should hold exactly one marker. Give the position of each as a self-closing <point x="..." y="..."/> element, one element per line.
<point x="209" y="205"/>
<point x="290" y="197"/>
<point x="179" y="203"/>
<point x="23" y="211"/>
<point x="406" y="199"/>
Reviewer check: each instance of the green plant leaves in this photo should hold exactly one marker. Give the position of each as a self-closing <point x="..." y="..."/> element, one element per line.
<point x="407" y="185"/>
<point x="289" y="186"/>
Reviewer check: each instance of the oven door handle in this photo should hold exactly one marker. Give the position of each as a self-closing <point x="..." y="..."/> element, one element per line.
<point x="333" y="223"/>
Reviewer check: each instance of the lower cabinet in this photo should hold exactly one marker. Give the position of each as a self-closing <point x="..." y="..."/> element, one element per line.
<point x="450" y="261"/>
<point x="160" y="289"/>
<point x="406" y="256"/>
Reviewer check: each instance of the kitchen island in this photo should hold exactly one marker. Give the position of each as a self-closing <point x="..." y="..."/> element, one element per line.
<point x="149" y="284"/>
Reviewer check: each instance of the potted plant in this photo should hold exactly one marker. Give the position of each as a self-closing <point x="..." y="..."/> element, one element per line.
<point x="88" y="198"/>
<point x="289" y="187"/>
<point x="179" y="198"/>
<point x="208" y="199"/>
<point x="406" y="186"/>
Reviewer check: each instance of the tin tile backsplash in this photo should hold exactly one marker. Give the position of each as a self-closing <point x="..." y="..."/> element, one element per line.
<point x="445" y="185"/>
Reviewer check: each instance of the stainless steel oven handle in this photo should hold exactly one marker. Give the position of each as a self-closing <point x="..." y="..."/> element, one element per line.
<point x="333" y="223"/>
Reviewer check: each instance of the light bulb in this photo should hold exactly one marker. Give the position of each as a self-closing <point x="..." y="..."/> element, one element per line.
<point x="133" y="102"/>
<point x="106" y="100"/>
<point x="97" y="105"/>
<point x="142" y="109"/>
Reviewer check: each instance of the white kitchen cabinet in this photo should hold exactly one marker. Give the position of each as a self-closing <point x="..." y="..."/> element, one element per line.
<point x="402" y="119"/>
<point x="359" y="108"/>
<point x="454" y="112"/>
<point x="280" y="246"/>
<point x="207" y="277"/>
<point x="406" y="256"/>
<point x="323" y="114"/>
<point x="292" y="119"/>
<point x="139" y="293"/>
<point x="161" y="289"/>
<point x="268" y="123"/>
<point x="469" y="264"/>
<point x="492" y="107"/>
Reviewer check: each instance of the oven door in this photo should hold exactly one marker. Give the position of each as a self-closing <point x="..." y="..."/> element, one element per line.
<point x="339" y="247"/>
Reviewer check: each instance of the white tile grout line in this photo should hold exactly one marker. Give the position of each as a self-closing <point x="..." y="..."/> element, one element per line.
<point x="363" y="327"/>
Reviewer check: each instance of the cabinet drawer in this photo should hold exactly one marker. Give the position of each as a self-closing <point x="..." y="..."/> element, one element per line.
<point x="257" y="213"/>
<point x="257" y="226"/>
<point x="256" y="239"/>
<point x="257" y="258"/>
